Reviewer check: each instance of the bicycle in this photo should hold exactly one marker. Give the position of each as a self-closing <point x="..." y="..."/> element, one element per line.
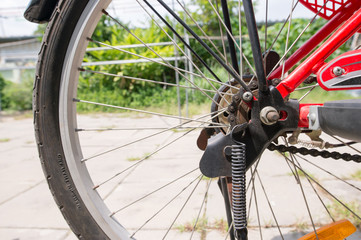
<point x="250" y="111"/>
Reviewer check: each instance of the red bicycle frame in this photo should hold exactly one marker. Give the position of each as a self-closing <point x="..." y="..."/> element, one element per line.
<point x="352" y="13"/>
<point x="312" y="64"/>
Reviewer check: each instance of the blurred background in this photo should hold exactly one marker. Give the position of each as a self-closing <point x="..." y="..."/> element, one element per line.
<point x="27" y="209"/>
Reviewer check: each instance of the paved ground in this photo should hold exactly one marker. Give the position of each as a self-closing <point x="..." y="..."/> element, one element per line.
<point x="27" y="209"/>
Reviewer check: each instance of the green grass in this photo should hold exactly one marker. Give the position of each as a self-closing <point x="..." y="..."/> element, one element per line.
<point x="302" y="174"/>
<point x="318" y="95"/>
<point x="339" y="212"/>
<point x="356" y="175"/>
<point x="145" y="156"/>
<point x="3" y="140"/>
<point x="301" y="226"/>
<point x="203" y="225"/>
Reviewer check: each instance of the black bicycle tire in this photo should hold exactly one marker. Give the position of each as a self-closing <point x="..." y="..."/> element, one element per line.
<point x="46" y="119"/>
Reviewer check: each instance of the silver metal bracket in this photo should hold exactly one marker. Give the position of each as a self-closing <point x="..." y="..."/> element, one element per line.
<point x="313" y="119"/>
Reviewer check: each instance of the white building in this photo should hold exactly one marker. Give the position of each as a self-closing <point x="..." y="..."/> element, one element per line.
<point x="17" y="55"/>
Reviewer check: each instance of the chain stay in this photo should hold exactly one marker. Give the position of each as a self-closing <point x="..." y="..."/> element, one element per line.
<point x="315" y="153"/>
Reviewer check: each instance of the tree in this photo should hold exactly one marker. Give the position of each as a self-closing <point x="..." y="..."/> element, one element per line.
<point x="2" y="86"/>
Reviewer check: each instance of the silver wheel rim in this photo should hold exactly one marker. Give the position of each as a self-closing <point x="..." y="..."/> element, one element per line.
<point x="68" y="122"/>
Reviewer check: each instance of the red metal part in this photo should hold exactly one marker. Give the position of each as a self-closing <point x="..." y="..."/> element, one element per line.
<point x="313" y="42"/>
<point x="313" y="63"/>
<point x="304" y="111"/>
<point x="326" y="8"/>
<point x="348" y="77"/>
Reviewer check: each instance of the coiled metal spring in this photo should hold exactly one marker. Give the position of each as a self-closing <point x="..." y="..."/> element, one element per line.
<point x="239" y="186"/>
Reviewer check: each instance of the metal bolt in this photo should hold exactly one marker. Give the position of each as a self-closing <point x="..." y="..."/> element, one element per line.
<point x="338" y="71"/>
<point x="312" y="117"/>
<point x="273" y="116"/>
<point x="247" y="96"/>
<point x="275" y="81"/>
<point x="269" y="115"/>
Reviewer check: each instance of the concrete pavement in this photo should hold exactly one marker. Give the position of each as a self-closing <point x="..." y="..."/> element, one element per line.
<point x="28" y="211"/>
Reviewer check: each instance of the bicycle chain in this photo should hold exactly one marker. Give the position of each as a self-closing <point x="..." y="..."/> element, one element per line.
<point x="292" y="149"/>
<point x="315" y="153"/>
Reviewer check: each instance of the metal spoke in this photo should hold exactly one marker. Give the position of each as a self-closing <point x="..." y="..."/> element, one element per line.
<point x="146" y="112"/>
<point x="240" y="37"/>
<point x="181" y="50"/>
<point x="293" y="162"/>
<point x="253" y="194"/>
<point x="147" y="137"/>
<point x="223" y="41"/>
<point x="299" y="36"/>
<point x="279" y="33"/>
<point x="139" y="161"/>
<point x="232" y="49"/>
<point x="328" y="192"/>
<point x="176" y="33"/>
<point x="328" y="172"/>
<point x="307" y="87"/>
<point x="201" y="29"/>
<point x="92" y="49"/>
<point x="205" y="94"/>
<point x="163" y="63"/>
<point x="183" y="206"/>
<point x="344" y="143"/>
<point x="209" y="50"/>
<point x="132" y="169"/>
<point x="120" y="182"/>
<point x="130" y="32"/>
<point x="163" y="207"/>
<point x="303" y="194"/>
<point x="232" y="37"/>
<point x="317" y="194"/>
<point x="137" y="129"/>
<point x="201" y="208"/>
<point x="150" y="81"/>
<point x="266" y="30"/>
<point x="154" y="191"/>
<point x="308" y="92"/>
<point x="269" y="204"/>
<point x="298" y="180"/>
<point x="253" y="174"/>
<point x="229" y="231"/>
<point x="287" y="37"/>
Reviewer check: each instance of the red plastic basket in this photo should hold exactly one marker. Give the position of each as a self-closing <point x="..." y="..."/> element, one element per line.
<point x="331" y="7"/>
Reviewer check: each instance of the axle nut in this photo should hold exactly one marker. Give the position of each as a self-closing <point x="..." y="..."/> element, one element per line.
<point x="269" y="115"/>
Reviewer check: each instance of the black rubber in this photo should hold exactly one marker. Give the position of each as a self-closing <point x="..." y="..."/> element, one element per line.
<point x="335" y="118"/>
<point x="46" y="120"/>
<point x="40" y="11"/>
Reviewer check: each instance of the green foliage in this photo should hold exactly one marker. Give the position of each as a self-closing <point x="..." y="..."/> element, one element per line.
<point x="318" y="95"/>
<point x="339" y="212"/>
<point x="40" y="30"/>
<point x="2" y="86"/>
<point x="121" y="89"/>
<point x="17" y="96"/>
<point x="297" y="26"/>
<point x="124" y="89"/>
<point x="207" y="18"/>
<point x="357" y="175"/>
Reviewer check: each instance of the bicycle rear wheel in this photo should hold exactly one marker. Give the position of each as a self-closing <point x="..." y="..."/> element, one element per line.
<point x="131" y="169"/>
